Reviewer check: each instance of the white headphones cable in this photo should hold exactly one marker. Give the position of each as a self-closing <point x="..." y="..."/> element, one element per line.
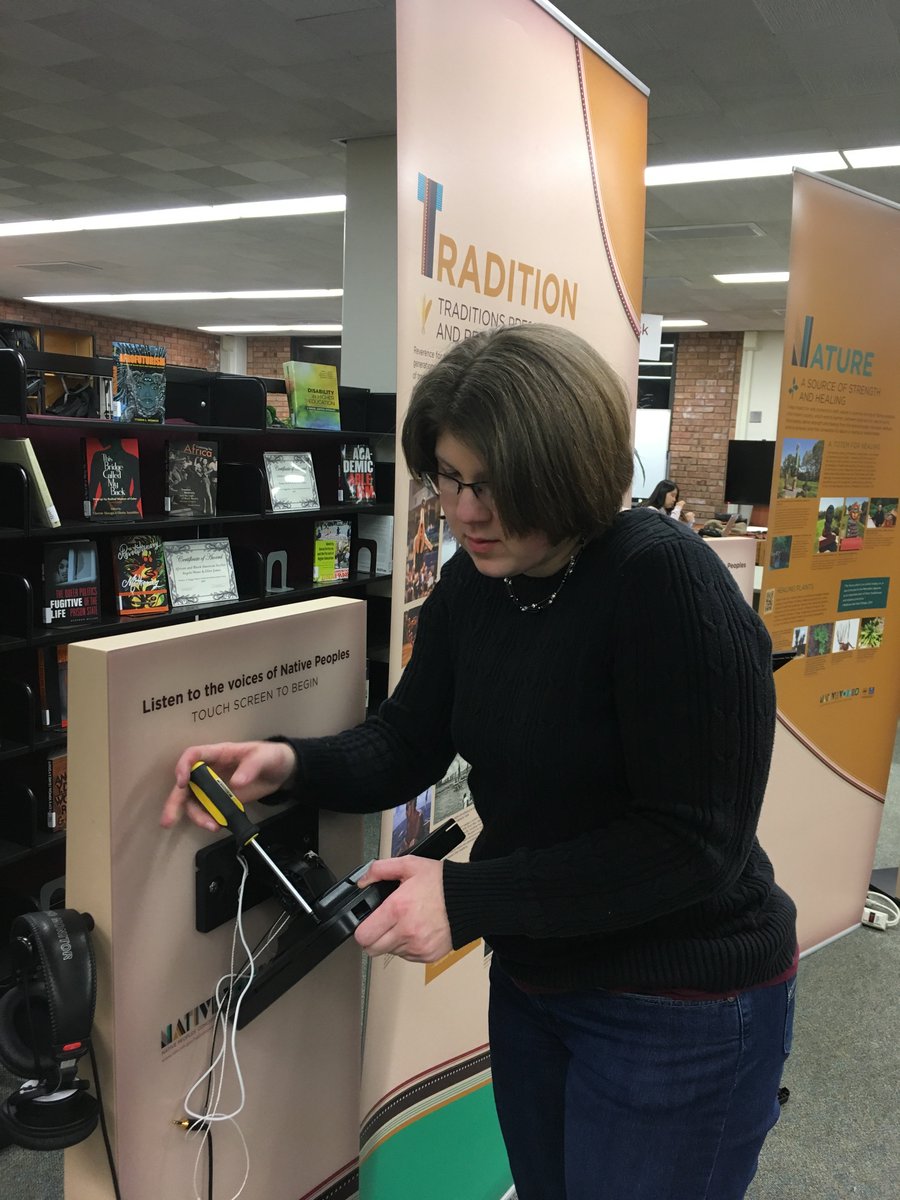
<point x="217" y="1070"/>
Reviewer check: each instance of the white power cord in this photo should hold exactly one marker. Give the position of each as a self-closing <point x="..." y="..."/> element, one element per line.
<point x="226" y="1017"/>
<point x="225" y="992"/>
<point x="880" y="912"/>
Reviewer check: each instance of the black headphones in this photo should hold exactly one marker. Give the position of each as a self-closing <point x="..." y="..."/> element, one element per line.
<point x="45" y="1026"/>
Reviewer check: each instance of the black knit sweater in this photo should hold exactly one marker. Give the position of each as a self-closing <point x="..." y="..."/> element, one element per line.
<point x="619" y="744"/>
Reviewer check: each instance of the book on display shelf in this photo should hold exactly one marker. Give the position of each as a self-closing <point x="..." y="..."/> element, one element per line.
<point x="139" y="573"/>
<point x="21" y="452"/>
<point x="57" y="789"/>
<point x="71" y="583"/>
<point x="356" y="477"/>
<point x="379" y="530"/>
<point x="53" y="686"/>
<point x="112" y="477"/>
<point x="313" y="398"/>
<point x="191" y="479"/>
<point x="332" y="551"/>
<point x="139" y="383"/>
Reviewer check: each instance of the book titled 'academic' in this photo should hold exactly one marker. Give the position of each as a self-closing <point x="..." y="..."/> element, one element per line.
<point x="356" y="479"/>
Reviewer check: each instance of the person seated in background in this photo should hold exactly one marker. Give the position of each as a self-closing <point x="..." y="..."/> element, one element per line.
<point x="664" y="498"/>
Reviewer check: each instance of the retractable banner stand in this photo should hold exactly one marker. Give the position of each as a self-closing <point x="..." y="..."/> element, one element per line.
<point x="521" y="152"/>
<point x="830" y="587"/>
<point x="135" y="702"/>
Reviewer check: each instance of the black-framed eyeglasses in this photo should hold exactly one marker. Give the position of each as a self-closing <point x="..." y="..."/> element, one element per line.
<point x="448" y="487"/>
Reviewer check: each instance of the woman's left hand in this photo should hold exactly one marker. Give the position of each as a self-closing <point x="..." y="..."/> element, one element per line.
<point x="412" y="922"/>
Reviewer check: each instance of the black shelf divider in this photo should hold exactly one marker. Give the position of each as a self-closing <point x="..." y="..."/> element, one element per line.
<point x="16" y="609"/>
<point x="242" y="488"/>
<point x="15" y="497"/>
<point x="18" y="715"/>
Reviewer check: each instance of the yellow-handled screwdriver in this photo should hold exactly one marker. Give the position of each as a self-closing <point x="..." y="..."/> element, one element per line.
<point x="225" y="809"/>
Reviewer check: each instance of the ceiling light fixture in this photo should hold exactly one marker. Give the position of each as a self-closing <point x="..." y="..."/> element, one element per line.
<point x="874" y="156"/>
<point x="271" y="328"/>
<point x="109" y="298"/>
<point x="742" y="168"/>
<point x="301" y="207"/>
<point x="685" y="323"/>
<point x="754" y="277"/>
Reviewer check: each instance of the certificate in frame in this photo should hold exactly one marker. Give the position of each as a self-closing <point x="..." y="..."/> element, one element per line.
<point x="292" y="481"/>
<point x="200" y="572"/>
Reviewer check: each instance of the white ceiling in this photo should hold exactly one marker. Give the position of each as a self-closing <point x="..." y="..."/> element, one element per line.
<point x="115" y="105"/>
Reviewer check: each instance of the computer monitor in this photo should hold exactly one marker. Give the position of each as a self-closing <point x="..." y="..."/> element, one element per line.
<point x="748" y="472"/>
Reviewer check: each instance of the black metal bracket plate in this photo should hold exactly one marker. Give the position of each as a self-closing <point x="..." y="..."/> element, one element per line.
<point x="218" y="872"/>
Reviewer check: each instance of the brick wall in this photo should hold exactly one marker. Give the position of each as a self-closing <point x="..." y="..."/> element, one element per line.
<point x="265" y="355"/>
<point x="186" y="347"/>
<point x="704" y="407"/>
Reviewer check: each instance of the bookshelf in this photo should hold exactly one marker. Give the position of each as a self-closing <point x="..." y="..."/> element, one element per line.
<point x="200" y="405"/>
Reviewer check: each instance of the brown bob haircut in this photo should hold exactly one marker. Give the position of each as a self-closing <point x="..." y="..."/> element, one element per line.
<point x="546" y="414"/>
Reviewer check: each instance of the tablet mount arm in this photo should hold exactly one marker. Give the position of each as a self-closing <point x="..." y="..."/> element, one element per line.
<point x="323" y="911"/>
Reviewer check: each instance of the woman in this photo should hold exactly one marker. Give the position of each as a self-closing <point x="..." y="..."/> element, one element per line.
<point x="643" y="956"/>
<point x="664" y="498"/>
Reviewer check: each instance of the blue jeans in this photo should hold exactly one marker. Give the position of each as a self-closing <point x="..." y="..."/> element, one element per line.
<point x="612" y="1096"/>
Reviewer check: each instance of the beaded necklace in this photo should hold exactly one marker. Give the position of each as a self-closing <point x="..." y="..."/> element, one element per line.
<point x="539" y="605"/>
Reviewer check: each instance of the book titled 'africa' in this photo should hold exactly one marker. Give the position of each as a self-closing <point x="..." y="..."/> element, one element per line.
<point x="191" y="478"/>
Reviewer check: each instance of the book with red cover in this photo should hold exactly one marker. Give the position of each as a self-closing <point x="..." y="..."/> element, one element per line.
<point x="112" y="479"/>
<point x="356" y="480"/>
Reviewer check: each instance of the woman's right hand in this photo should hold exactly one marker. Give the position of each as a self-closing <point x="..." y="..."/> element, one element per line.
<point x="251" y="769"/>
